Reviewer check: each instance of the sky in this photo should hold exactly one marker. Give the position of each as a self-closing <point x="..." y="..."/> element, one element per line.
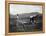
<point x="19" y="9"/>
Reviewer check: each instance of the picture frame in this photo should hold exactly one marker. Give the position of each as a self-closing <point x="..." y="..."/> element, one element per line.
<point x="7" y="12"/>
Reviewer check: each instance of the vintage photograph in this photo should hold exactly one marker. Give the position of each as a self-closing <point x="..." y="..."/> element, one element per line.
<point x="25" y="18"/>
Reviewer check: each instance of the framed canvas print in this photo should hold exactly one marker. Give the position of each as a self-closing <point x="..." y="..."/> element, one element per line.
<point x="24" y="17"/>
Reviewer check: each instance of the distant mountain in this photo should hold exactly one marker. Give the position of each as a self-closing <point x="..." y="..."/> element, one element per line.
<point x="24" y="15"/>
<point x="13" y="16"/>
